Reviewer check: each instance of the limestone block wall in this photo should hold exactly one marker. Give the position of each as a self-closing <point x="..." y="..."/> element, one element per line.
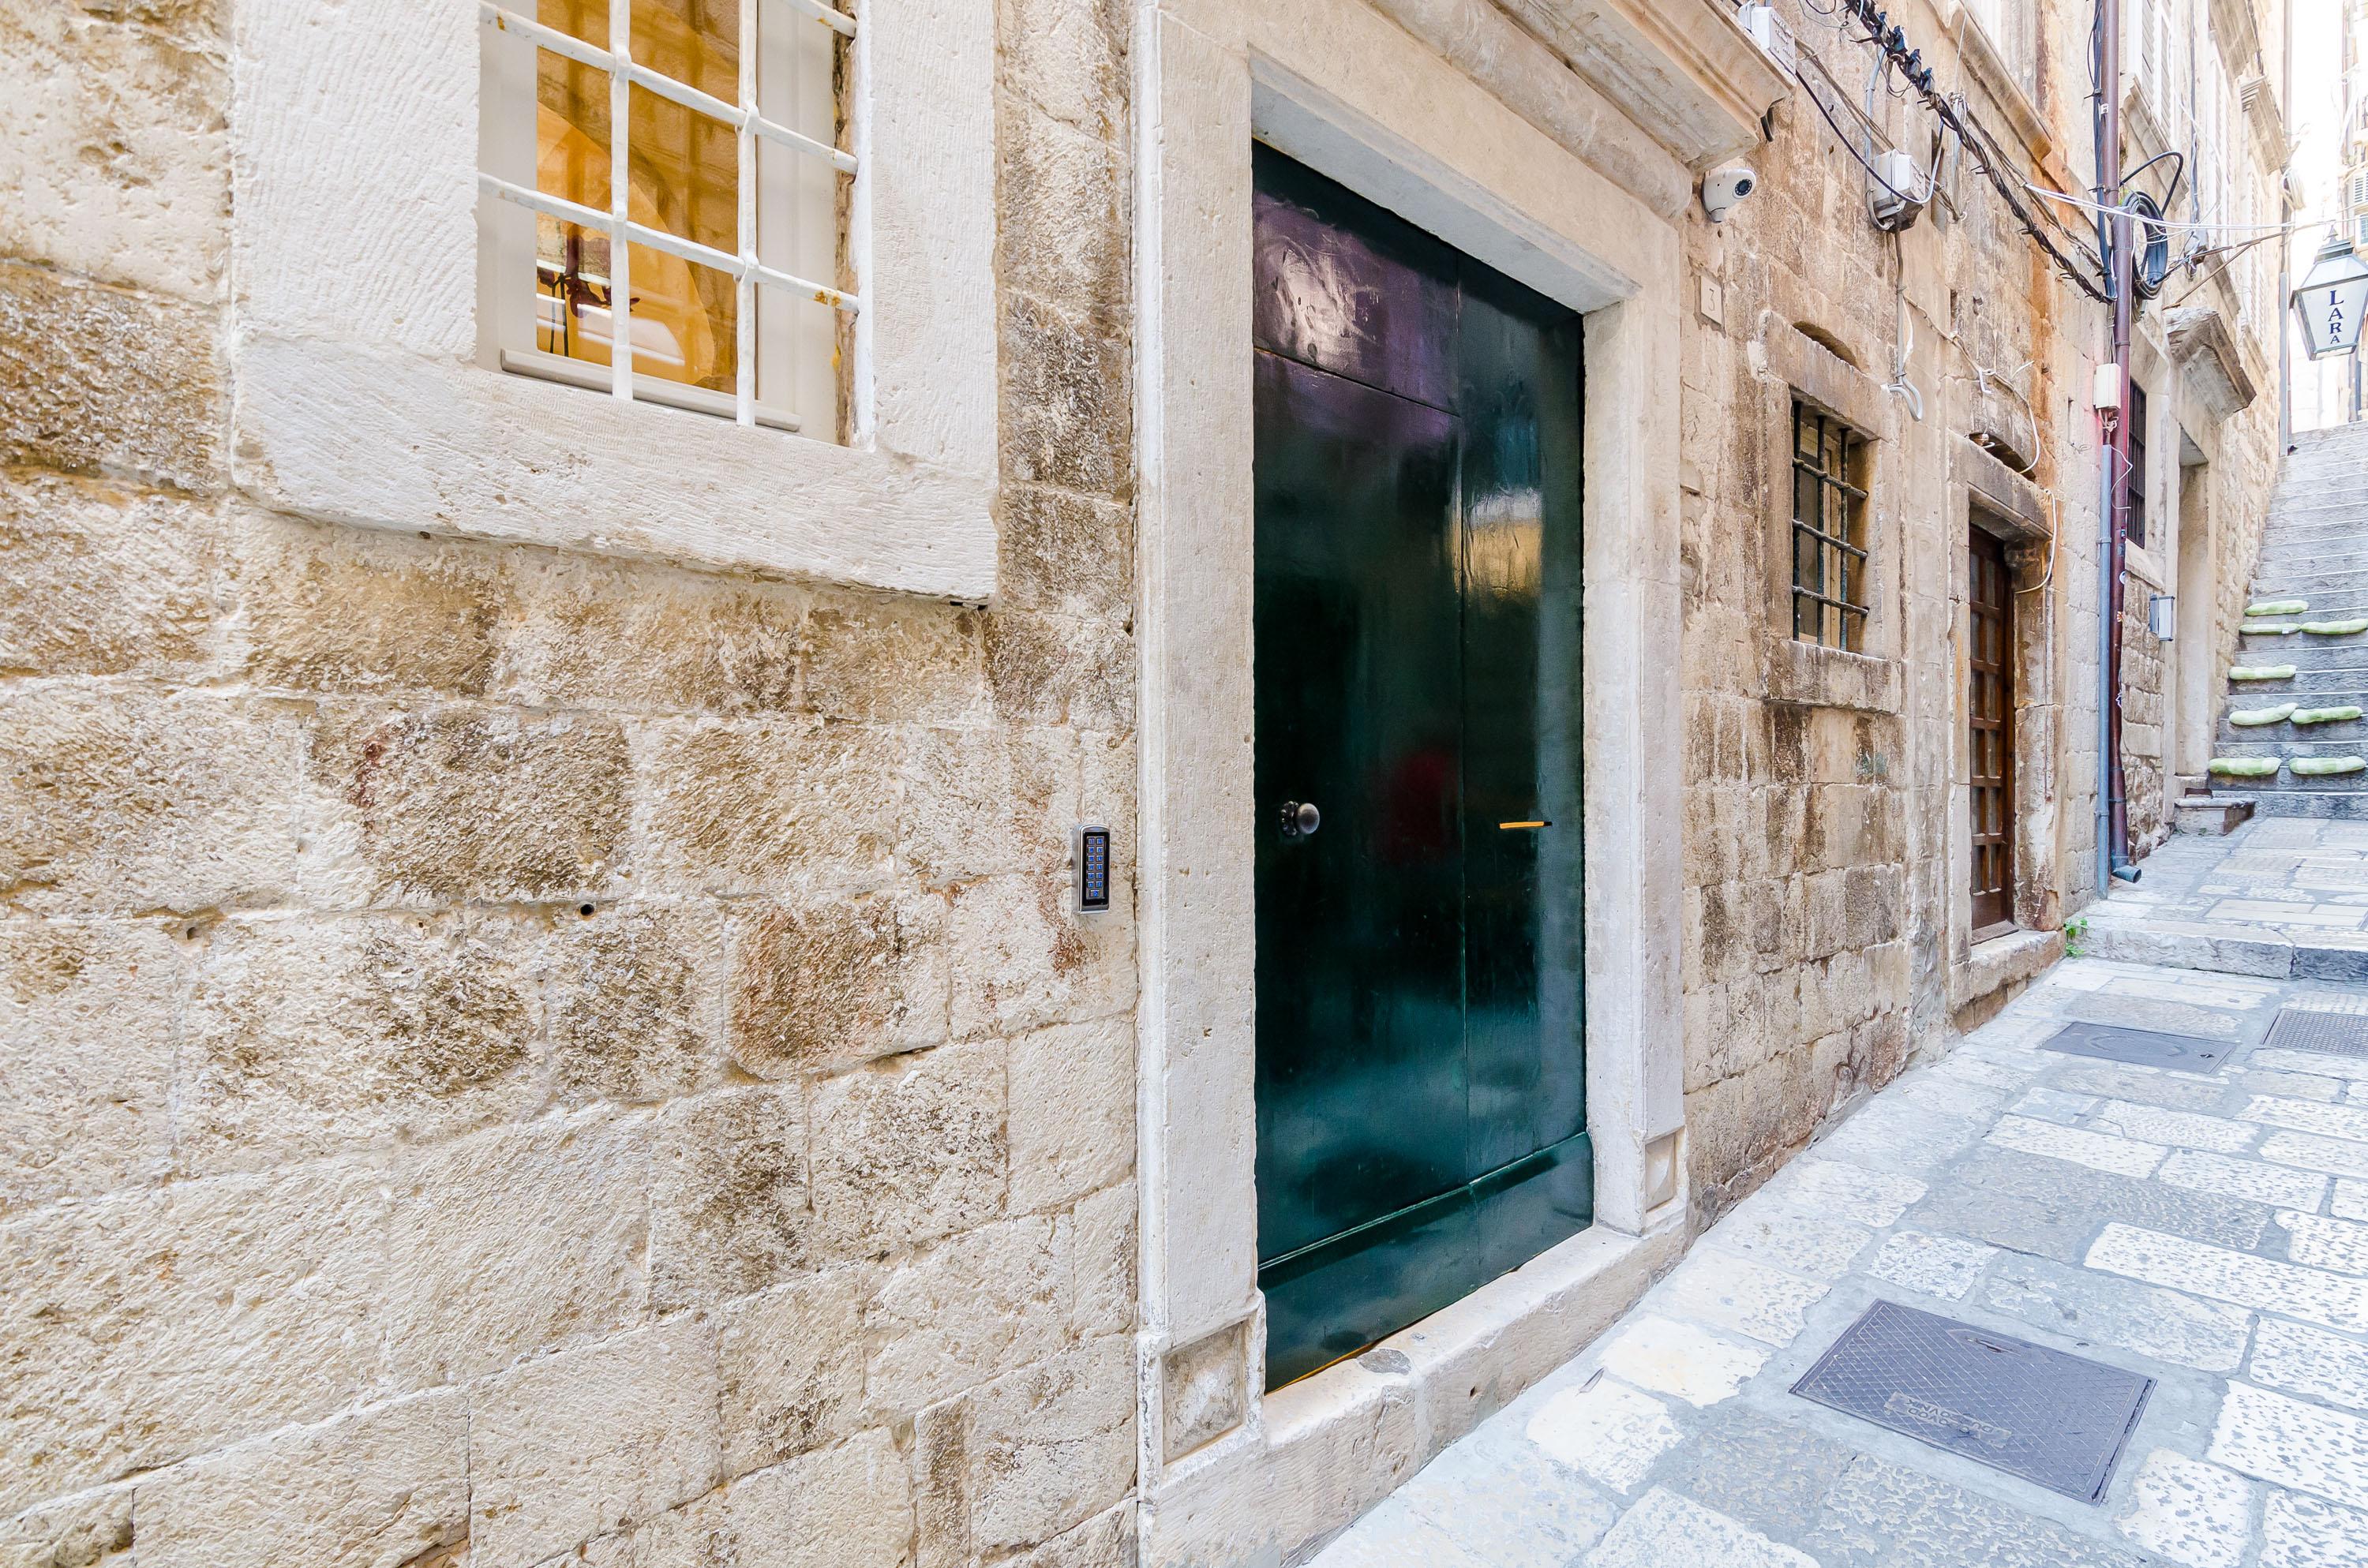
<point x="2143" y="696"/>
<point x="509" y="1055"/>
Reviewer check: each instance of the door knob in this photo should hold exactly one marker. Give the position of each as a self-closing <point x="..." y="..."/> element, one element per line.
<point x="1300" y="819"/>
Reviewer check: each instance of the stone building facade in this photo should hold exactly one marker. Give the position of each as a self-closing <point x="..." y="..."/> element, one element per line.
<point x="545" y="1017"/>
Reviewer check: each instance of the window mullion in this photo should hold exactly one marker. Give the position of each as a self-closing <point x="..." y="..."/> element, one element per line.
<point x="743" y="289"/>
<point x="621" y="265"/>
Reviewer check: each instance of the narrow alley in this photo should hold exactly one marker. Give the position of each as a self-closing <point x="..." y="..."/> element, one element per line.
<point x="2206" y="1230"/>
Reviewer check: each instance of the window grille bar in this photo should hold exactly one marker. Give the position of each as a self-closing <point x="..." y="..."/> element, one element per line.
<point x="665" y="86"/>
<point x="621" y="185"/>
<point x="673" y="244"/>
<point x="1822" y="537"/>
<point x="1828" y="599"/>
<point x="1804" y="466"/>
<point x="837" y="21"/>
<point x="743" y="288"/>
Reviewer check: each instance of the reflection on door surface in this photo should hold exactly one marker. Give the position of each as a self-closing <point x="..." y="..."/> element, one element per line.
<point x="1422" y="1117"/>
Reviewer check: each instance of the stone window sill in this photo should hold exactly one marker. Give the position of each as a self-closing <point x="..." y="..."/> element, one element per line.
<point x="1805" y="675"/>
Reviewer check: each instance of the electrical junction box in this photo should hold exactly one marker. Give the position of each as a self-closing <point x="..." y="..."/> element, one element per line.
<point x="1093" y="858"/>
<point x="1901" y="191"/>
<point x="1774" y="38"/>
<point x="2162" y="615"/>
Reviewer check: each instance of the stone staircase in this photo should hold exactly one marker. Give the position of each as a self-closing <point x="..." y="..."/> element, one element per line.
<point x="2315" y="549"/>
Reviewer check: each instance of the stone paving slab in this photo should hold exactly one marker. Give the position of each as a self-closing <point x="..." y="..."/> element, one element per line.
<point x="2281" y="897"/>
<point x="2209" y="1231"/>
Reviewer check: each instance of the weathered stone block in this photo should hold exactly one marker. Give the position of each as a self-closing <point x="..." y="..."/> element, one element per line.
<point x="102" y="580"/>
<point x="1101" y="1261"/>
<point x="980" y="802"/>
<point x="377" y="1489"/>
<point x="114" y="150"/>
<point x="87" y="1020"/>
<point x="633" y="996"/>
<point x="99" y="380"/>
<point x="838" y="981"/>
<point x="1068" y="57"/>
<point x="1204" y="1391"/>
<point x="1032" y="959"/>
<point x="1072" y="1111"/>
<point x="514" y="1241"/>
<point x="1063" y="196"/>
<point x="1067" y="418"/>
<point x="124" y="801"/>
<point x="729" y="1212"/>
<point x="789" y="1364"/>
<point x="878" y="659"/>
<point x="76" y="1531"/>
<point x="600" y="633"/>
<point x="845" y="1507"/>
<point x="468" y="802"/>
<point x="771" y="807"/>
<point x="305" y="1037"/>
<point x="1106" y="1540"/>
<point x="1047" y="669"/>
<point x="571" y="1446"/>
<point x="332" y="609"/>
<point x="849" y="1506"/>
<point x="911" y="1151"/>
<point x="1030" y="1455"/>
<point x="1065" y="554"/>
<point x="145" y="1327"/>
<point x="974" y="1306"/>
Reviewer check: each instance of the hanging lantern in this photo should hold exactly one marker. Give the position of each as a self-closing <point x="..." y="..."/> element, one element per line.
<point x="2331" y="298"/>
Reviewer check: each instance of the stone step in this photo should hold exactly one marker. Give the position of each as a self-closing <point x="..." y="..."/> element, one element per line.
<point x="2305" y="651"/>
<point x="2301" y="563"/>
<point x="2329" y="687"/>
<point x="2342" y="602"/>
<point x="2243" y="743"/>
<point x="2327" y="805"/>
<point x="2215" y="816"/>
<point x="2135" y="934"/>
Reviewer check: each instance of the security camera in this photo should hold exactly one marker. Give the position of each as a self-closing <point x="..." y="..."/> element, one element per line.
<point x="1725" y="186"/>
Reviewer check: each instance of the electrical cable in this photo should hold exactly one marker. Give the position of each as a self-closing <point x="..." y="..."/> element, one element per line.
<point x="1843" y="137"/>
<point x="2268" y="230"/>
<point x="1892" y="41"/>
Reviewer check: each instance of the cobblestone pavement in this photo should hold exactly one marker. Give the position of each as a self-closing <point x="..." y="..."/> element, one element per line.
<point x="2280" y="896"/>
<point x="2208" y="1229"/>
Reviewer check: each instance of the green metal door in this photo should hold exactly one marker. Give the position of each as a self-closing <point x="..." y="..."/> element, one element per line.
<point x="1420" y="1011"/>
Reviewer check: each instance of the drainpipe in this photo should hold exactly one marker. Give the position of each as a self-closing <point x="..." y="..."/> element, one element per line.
<point x="2112" y="817"/>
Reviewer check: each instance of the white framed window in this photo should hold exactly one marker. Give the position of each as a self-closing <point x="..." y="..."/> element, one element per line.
<point x="392" y="284"/>
<point x="721" y="261"/>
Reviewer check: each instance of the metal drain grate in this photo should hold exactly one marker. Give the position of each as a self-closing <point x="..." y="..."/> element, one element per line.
<point x="2056" y="1420"/>
<point x="2148" y="1048"/>
<point x="2332" y="1034"/>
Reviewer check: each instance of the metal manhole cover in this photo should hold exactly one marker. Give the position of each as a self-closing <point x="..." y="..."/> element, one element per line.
<point x="2054" y="1419"/>
<point x="2148" y="1048"/>
<point x="2307" y="1028"/>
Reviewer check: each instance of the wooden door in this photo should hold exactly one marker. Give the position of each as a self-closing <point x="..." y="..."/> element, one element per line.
<point x="1990" y="741"/>
<point x="1420" y="1027"/>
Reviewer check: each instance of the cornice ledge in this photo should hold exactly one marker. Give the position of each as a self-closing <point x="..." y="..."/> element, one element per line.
<point x="2199" y="342"/>
<point x="1985" y="66"/>
<point x="1683" y="70"/>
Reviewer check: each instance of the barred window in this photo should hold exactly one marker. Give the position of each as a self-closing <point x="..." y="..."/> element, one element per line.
<point x="1828" y="532"/>
<point x="669" y="174"/>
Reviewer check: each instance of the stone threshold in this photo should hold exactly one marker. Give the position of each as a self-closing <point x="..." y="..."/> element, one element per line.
<point x="1322" y="1451"/>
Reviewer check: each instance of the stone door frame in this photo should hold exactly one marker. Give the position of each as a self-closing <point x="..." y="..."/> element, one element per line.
<point x="1229" y="1473"/>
